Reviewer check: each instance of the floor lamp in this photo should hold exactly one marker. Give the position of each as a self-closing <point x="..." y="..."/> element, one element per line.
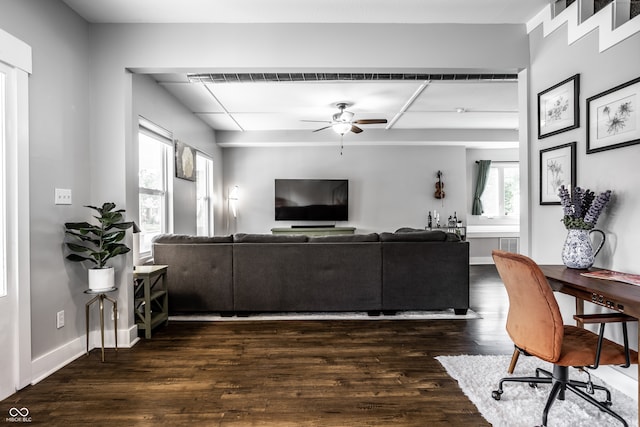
<point x="232" y="205"/>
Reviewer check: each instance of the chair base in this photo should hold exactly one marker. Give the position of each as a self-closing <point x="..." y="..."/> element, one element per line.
<point x="560" y="383"/>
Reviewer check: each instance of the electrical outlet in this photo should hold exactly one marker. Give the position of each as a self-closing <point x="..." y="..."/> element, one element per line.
<point x="60" y="319"/>
<point x="62" y="196"/>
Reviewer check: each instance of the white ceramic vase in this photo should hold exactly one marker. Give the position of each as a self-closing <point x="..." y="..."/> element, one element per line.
<point x="101" y="279"/>
<point x="578" y="251"/>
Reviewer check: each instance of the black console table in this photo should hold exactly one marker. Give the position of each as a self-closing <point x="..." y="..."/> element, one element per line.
<point x="314" y="231"/>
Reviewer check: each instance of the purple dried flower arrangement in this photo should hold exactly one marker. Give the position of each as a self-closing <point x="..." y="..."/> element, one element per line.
<point x="582" y="208"/>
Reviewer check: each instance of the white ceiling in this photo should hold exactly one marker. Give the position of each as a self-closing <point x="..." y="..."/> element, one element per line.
<point x="337" y="11"/>
<point x="265" y="106"/>
<point x="276" y="106"/>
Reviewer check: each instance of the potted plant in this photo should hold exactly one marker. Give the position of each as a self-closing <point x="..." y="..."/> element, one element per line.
<point x="99" y="243"/>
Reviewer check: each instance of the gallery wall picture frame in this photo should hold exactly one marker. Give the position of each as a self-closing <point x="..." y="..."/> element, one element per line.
<point x="559" y="107"/>
<point x="557" y="167"/>
<point x="185" y="161"/>
<point x="613" y="117"/>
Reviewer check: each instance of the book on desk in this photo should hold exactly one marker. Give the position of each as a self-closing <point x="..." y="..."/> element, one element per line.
<point x="632" y="279"/>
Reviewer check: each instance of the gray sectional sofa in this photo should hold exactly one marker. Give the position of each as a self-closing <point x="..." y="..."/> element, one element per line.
<point x="248" y="273"/>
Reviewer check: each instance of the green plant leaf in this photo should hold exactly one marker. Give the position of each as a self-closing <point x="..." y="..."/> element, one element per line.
<point x="84" y="237"/>
<point x="79" y="258"/>
<point x="78" y="248"/>
<point x="102" y="243"/>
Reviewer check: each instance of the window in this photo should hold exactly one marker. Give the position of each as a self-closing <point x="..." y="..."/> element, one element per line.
<point x="501" y="197"/>
<point x="154" y="172"/>
<point x="204" y="195"/>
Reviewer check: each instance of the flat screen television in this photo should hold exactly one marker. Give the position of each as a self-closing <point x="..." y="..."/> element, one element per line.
<point x="312" y="199"/>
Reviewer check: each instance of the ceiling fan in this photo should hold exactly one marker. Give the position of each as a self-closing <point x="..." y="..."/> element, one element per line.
<point x="342" y="122"/>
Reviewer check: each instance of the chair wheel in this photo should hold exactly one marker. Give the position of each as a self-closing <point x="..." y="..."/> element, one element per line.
<point x="496" y="394"/>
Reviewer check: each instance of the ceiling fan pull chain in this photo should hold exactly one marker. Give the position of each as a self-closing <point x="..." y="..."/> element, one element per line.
<point x="341" y="144"/>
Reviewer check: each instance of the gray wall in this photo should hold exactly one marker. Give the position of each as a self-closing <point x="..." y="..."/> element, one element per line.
<point x="390" y="187"/>
<point x="59" y="157"/>
<point x="154" y="103"/>
<point x="552" y="61"/>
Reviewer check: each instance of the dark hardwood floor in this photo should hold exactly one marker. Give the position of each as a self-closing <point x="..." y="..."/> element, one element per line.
<point x="279" y="373"/>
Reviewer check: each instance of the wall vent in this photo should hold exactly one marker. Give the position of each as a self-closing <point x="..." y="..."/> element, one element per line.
<point x="510" y="244"/>
<point x="319" y="77"/>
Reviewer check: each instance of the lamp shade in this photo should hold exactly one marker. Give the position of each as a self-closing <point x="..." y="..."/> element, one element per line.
<point x="341" y="127"/>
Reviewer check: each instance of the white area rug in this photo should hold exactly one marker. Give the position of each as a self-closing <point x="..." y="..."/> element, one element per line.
<point x="404" y="315"/>
<point x="521" y="405"/>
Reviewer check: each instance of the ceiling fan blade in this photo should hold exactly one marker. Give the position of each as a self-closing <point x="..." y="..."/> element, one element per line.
<point x="316" y="121"/>
<point x="323" y="128"/>
<point x="355" y="129"/>
<point x="370" y="121"/>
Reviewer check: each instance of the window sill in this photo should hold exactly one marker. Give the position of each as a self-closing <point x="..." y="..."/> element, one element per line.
<point x="489" y="231"/>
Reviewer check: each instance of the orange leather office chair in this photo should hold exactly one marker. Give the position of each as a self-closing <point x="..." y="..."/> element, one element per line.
<point x="535" y="326"/>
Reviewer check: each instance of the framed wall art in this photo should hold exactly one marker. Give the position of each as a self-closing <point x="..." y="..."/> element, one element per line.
<point x="613" y="118"/>
<point x="185" y="161"/>
<point x="558" y="108"/>
<point x="557" y="167"/>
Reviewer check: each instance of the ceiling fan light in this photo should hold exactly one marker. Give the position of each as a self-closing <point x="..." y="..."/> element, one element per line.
<point x="341" y="127"/>
<point x="347" y="116"/>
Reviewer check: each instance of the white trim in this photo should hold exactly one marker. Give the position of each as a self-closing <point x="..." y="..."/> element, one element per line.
<point x="58" y="358"/>
<point x="17" y="55"/>
<point x="22" y="225"/>
<point x="127" y="338"/>
<point x="48" y="363"/>
<point x="603" y="21"/>
<point x="15" y="52"/>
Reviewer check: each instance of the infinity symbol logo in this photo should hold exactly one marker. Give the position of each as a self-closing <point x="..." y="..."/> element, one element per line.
<point x="14" y="412"/>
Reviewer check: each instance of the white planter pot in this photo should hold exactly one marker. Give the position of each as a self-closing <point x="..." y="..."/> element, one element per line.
<point x="101" y="279"/>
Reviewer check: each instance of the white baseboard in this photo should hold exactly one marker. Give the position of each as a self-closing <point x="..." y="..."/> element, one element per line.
<point x="127" y="338"/>
<point x="47" y="364"/>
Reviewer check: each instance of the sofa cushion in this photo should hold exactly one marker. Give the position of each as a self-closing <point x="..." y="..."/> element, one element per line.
<point x="346" y="238"/>
<point x="453" y="237"/>
<point x="187" y="239"/>
<point x="269" y="238"/>
<point x="418" y="236"/>
<point x="408" y="230"/>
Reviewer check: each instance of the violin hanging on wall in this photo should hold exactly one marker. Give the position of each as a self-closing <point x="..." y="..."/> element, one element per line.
<point x="439" y="194"/>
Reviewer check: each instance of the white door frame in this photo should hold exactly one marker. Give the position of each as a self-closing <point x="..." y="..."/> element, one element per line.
<point x="17" y="56"/>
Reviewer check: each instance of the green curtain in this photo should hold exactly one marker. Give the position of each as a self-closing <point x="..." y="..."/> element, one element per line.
<point x="481" y="183"/>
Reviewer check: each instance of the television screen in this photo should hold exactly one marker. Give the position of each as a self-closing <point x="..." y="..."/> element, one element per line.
<point x="312" y="199"/>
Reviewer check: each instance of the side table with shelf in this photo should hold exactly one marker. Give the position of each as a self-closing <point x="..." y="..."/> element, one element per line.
<point x="151" y="297"/>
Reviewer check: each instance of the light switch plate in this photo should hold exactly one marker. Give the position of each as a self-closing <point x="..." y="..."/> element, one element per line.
<point x="62" y="196"/>
<point x="60" y="319"/>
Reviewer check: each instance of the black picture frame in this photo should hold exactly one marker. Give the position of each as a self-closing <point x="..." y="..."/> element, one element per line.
<point x="554" y="162"/>
<point x="559" y="107"/>
<point x="613" y="117"/>
<point x="185" y="161"/>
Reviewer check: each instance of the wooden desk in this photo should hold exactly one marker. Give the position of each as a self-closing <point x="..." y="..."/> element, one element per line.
<point x="617" y="296"/>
